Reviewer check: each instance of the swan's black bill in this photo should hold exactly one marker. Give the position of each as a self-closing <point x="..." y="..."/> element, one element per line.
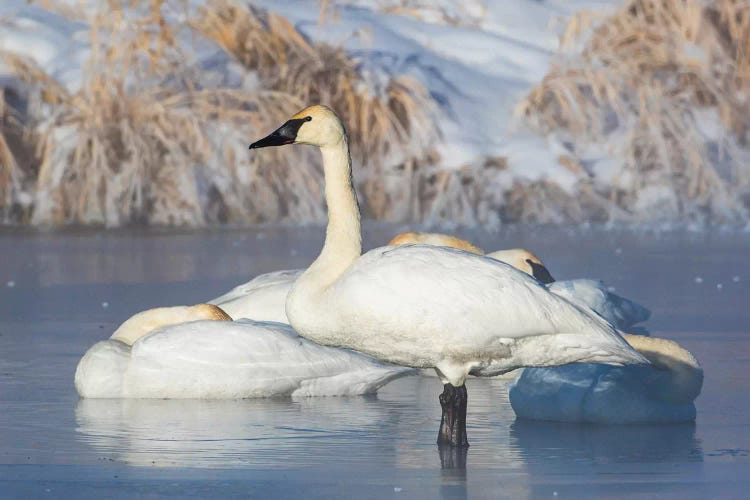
<point x="286" y="134"/>
<point x="540" y="272"/>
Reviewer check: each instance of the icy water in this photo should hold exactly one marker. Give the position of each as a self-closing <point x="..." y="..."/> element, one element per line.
<point x="61" y="292"/>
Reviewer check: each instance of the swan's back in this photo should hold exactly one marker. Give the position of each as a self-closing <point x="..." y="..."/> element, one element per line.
<point x="454" y="305"/>
<point x="242" y="359"/>
<point x="262" y="298"/>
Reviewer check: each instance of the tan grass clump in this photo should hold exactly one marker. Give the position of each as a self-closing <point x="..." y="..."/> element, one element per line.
<point x="391" y="128"/>
<point x="16" y="161"/>
<point x="644" y="83"/>
<point x="142" y="141"/>
<point x="149" y="137"/>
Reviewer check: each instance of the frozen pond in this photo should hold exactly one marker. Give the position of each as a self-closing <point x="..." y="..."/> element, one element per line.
<point x="61" y="292"/>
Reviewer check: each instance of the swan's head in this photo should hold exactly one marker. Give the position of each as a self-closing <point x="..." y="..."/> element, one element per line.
<point x="316" y="125"/>
<point x="525" y="261"/>
<point x="436" y="239"/>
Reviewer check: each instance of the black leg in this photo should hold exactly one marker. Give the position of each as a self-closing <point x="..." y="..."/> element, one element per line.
<point x="452" y="457"/>
<point x="453" y="424"/>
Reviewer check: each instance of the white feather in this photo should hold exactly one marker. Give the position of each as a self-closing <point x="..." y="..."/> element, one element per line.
<point x="226" y="360"/>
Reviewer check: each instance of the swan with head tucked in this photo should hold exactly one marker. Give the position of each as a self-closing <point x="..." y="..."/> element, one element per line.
<point x="622" y="313"/>
<point x="198" y="352"/>
<point x="663" y="392"/>
<point x="424" y="306"/>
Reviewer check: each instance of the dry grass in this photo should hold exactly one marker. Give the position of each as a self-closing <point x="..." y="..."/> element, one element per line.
<point x="641" y="77"/>
<point x="16" y="161"/>
<point x="145" y="139"/>
<point x="390" y="128"/>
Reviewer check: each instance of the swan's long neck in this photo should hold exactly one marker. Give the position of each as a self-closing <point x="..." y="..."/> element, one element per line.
<point x="343" y="242"/>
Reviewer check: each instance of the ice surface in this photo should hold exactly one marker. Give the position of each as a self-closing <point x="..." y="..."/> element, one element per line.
<point x="52" y="444"/>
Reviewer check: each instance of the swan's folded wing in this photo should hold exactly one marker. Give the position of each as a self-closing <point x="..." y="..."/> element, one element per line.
<point x="262" y="299"/>
<point x="273" y="279"/>
<point x="240" y="360"/>
<point x="416" y="288"/>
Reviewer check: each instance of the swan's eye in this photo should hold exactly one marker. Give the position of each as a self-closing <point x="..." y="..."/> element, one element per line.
<point x="307" y="118"/>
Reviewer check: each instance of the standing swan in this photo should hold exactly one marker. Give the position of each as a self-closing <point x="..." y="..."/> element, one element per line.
<point x="428" y="307"/>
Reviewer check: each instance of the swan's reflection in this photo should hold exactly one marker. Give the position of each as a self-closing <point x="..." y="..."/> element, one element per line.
<point x="554" y="443"/>
<point x="395" y="428"/>
<point x="256" y="433"/>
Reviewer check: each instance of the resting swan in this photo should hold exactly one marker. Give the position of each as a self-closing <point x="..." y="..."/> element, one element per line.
<point x="660" y="393"/>
<point x="264" y="297"/>
<point x="620" y="312"/>
<point x="177" y="352"/>
<point x="425" y="306"/>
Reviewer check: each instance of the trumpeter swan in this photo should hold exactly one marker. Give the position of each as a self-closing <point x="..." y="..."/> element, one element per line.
<point x="622" y="313"/>
<point x="660" y="393"/>
<point x="425" y="306"/>
<point x="186" y="356"/>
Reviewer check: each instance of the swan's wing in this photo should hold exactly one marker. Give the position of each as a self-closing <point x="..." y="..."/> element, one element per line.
<point x="222" y="360"/>
<point x="619" y="311"/>
<point x="261" y="299"/>
<point x="470" y="305"/>
<point x="264" y="280"/>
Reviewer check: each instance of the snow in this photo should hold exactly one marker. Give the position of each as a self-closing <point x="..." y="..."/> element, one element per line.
<point x="478" y="59"/>
<point x="479" y="72"/>
<point x="50" y="40"/>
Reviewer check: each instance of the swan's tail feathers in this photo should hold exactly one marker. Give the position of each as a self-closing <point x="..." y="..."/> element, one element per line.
<point x="595" y="295"/>
<point x="630" y="313"/>
<point x="358" y="383"/>
<point x="101" y="371"/>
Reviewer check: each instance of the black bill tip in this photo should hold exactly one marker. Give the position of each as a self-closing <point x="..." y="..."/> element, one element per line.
<point x="540" y="272"/>
<point x="286" y="134"/>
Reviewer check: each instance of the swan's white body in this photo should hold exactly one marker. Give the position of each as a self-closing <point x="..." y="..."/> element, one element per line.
<point x="264" y="299"/>
<point x="425" y="306"/>
<point x="658" y="393"/>
<point x="226" y="360"/>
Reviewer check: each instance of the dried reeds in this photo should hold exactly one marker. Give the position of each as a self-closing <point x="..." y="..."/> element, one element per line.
<point x="647" y="80"/>
<point x="16" y="152"/>
<point x="388" y="126"/>
<point x="149" y="138"/>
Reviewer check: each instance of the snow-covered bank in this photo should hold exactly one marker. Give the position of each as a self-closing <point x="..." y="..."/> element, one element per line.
<point x="458" y="155"/>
